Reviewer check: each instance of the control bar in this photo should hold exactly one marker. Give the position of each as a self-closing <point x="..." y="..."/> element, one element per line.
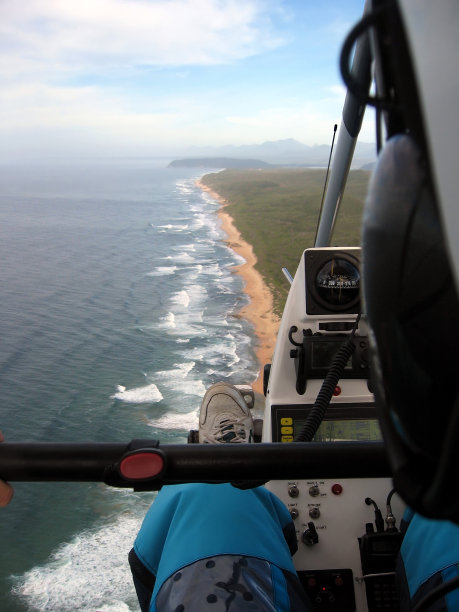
<point x="147" y="465"/>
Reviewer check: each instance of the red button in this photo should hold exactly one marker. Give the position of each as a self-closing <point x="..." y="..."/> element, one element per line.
<point x="140" y="466"/>
<point x="337" y="489"/>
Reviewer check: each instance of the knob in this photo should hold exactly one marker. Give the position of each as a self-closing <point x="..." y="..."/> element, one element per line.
<point x="294" y="513"/>
<point x="310" y="536"/>
<point x="293" y="491"/>
<point x="314" y="512"/>
<point x="314" y="491"/>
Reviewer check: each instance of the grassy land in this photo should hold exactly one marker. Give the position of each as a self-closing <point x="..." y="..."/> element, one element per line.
<point x="276" y="211"/>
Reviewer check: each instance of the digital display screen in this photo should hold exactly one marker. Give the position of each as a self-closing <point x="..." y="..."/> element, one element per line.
<point x="364" y="430"/>
<point x="343" y="423"/>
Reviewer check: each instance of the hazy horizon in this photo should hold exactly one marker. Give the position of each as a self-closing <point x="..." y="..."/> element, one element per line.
<point x="242" y="151"/>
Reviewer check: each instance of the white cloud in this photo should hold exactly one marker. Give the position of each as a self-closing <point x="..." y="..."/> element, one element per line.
<point x="55" y="56"/>
<point x="70" y="37"/>
<point x="338" y="91"/>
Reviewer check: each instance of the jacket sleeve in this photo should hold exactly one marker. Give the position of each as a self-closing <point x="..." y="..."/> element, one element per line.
<point x="429" y="557"/>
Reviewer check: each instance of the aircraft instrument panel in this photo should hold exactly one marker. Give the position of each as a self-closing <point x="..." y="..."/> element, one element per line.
<point x="356" y="422"/>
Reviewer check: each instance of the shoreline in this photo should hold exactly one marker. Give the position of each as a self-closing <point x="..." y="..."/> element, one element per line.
<point x="259" y="310"/>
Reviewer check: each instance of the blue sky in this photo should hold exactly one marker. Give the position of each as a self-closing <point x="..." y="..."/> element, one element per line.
<point x="149" y="77"/>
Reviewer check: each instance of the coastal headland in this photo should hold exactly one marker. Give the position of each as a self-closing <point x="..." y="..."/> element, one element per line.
<point x="259" y="310"/>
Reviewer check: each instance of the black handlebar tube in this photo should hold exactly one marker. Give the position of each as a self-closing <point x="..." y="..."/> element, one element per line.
<point x="96" y="462"/>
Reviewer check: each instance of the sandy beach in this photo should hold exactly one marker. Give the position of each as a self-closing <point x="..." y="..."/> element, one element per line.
<point x="259" y="311"/>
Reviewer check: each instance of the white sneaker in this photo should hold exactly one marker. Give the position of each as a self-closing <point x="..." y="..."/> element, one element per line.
<point x="224" y="416"/>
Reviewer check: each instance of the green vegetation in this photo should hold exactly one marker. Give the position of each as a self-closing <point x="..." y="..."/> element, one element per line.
<point x="277" y="210"/>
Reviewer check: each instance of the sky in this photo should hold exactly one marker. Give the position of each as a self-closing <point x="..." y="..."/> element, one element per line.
<point x="156" y="77"/>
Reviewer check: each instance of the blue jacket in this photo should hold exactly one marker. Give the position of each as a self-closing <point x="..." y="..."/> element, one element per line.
<point x="428" y="557"/>
<point x="196" y="533"/>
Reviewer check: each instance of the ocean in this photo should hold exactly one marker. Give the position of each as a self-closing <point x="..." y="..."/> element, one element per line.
<point x="118" y="309"/>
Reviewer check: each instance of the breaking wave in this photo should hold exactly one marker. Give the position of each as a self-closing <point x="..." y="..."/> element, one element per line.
<point x="139" y="395"/>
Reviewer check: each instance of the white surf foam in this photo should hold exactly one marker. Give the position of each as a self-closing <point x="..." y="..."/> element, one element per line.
<point x="212" y="269"/>
<point x="168" y="321"/>
<point x="197" y="293"/>
<point x="191" y="387"/>
<point x="178" y="379"/>
<point x="218" y="321"/>
<point x="238" y="260"/>
<point x="184" y="258"/>
<point x="183" y="325"/>
<point x="209" y="199"/>
<point x="224" y="289"/>
<point x="223" y="354"/>
<point x="188" y="324"/>
<point x="185" y="247"/>
<point x="90" y="573"/>
<point x="180" y="370"/>
<point x="139" y="395"/>
<point x="181" y="298"/>
<point x="176" y="420"/>
<point x="184" y="187"/>
<point x="173" y="227"/>
<point x="198" y="222"/>
<point x="195" y="272"/>
<point x="162" y="271"/>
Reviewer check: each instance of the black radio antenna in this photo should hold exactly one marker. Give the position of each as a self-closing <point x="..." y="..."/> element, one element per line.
<point x="326" y="181"/>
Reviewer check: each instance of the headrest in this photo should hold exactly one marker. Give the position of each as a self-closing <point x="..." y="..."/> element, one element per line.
<point x="413" y="313"/>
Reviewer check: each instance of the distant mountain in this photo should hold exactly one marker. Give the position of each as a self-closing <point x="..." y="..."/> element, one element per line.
<point x="218" y="162"/>
<point x="287" y="152"/>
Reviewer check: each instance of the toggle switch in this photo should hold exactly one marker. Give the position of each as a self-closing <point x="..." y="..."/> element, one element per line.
<point x="310" y="536"/>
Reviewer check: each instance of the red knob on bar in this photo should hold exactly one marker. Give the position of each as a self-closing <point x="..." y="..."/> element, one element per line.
<point x="141" y="465"/>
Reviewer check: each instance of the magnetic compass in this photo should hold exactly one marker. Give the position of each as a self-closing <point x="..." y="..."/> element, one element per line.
<point x="332" y="280"/>
<point x="338" y="282"/>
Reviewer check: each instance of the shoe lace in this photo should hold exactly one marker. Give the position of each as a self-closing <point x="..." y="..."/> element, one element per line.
<point x="230" y="430"/>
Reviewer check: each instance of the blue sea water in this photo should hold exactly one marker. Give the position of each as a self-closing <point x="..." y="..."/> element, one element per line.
<point x="117" y="311"/>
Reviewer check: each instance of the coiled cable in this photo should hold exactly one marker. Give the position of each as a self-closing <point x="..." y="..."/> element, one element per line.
<point x="315" y="417"/>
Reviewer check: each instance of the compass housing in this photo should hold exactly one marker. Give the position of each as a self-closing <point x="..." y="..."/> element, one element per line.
<point x="332" y="280"/>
